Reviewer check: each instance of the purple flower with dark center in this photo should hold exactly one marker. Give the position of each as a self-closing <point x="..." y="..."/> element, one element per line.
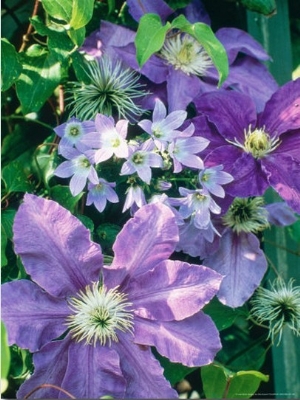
<point x="100" y="193"/>
<point x="91" y="327"/>
<point x="141" y="159"/>
<point x="257" y="150"/>
<point x="72" y="131"/>
<point x="80" y="167"/>
<point x="163" y="127"/>
<point x="109" y="139"/>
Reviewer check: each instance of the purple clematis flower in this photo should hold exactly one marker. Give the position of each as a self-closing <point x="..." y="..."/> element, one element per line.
<point x="100" y="193"/>
<point x="91" y="326"/>
<point x="79" y="166"/>
<point x="257" y="150"/>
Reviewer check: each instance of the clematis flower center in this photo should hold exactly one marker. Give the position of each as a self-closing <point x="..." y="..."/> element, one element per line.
<point x="257" y="142"/>
<point x="185" y="53"/>
<point x="98" y="315"/>
<point x="247" y="215"/>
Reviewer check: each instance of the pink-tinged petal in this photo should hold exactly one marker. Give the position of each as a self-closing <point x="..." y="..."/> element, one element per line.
<point x="143" y="373"/>
<point x="103" y="154"/>
<point x="93" y="372"/>
<point x="182" y="89"/>
<point x="238" y="41"/>
<point x="50" y="364"/>
<point x="55" y="247"/>
<point x="122" y="127"/>
<point x="83" y="371"/>
<point x="231" y="112"/>
<point x="104" y="123"/>
<point x="242" y="262"/>
<point x="77" y="183"/>
<point x="146" y="124"/>
<point x="163" y="292"/>
<point x="282" y="111"/>
<point x="32" y="316"/>
<point x="283" y="174"/>
<point x="145" y="240"/>
<point x="144" y="173"/>
<point x="193" y="341"/>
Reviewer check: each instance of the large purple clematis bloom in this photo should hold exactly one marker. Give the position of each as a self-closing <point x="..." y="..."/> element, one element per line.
<point x="91" y="326"/>
<point x="257" y="150"/>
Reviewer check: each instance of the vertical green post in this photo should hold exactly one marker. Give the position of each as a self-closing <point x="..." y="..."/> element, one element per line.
<point x="274" y="34"/>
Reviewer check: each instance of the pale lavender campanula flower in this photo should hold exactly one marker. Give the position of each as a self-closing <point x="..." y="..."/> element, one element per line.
<point x="259" y="151"/>
<point x="163" y="127"/>
<point x="135" y="198"/>
<point x="109" y="139"/>
<point x="141" y="159"/>
<point x="212" y="179"/>
<point x="72" y="131"/>
<point x="79" y="166"/>
<point x="100" y="193"/>
<point x="91" y="327"/>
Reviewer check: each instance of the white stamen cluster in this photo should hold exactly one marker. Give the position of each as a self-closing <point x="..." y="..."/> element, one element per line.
<point x="98" y="314"/>
<point x="185" y="53"/>
<point x="279" y="307"/>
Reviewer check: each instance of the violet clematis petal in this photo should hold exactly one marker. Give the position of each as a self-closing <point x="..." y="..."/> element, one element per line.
<point x="182" y="89"/>
<point x="280" y="214"/>
<point x="243" y="263"/>
<point x="282" y="111"/>
<point x="32" y="316"/>
<point x="155" y="223"/>
<point x="142" y="371"/>
<point x="238" y="41"/>
<point x="283" y="174"/>
<point x="250" y="76"/>
<point x="195" y="12"/>
<point x="231" y="112"/>
<point x="99" y="370"/>
<point x="47" y="370"/>
<point x="290" y="144"/>
<point x="61" y="362"/>
<point x="138" y="9"/>
<point x="63" y="260"/>
<point x="163" y="292"/>
<point x="192" y="341"/>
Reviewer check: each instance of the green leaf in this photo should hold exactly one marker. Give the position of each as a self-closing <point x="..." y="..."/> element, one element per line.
<point x="244" y="384"/>
<point x="58" y="38"/>
<point x="221" y="383"/>
<point x="77" y="36"/>
<point x="222" y="316"/>
<point x="214" y="381"/>
<point x="3" y="247"/>
<point x="15" y="178"/>
<point x="5" y="358"/>
<point x="205" y="36"/>
<point x="173" y="372"/>
<point x="150" y="37"/>
<point x="40" y="76"/>
<point x="175" y="4"/>
<point x="82" y="12"/>
<point x="106" y="234"/>
<point x="11" y="67"/>
<point x="59" y="9"/>
<point x="265" y="7"/>
<point x="63" y="196"/>
<point x="86" y="221"/>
